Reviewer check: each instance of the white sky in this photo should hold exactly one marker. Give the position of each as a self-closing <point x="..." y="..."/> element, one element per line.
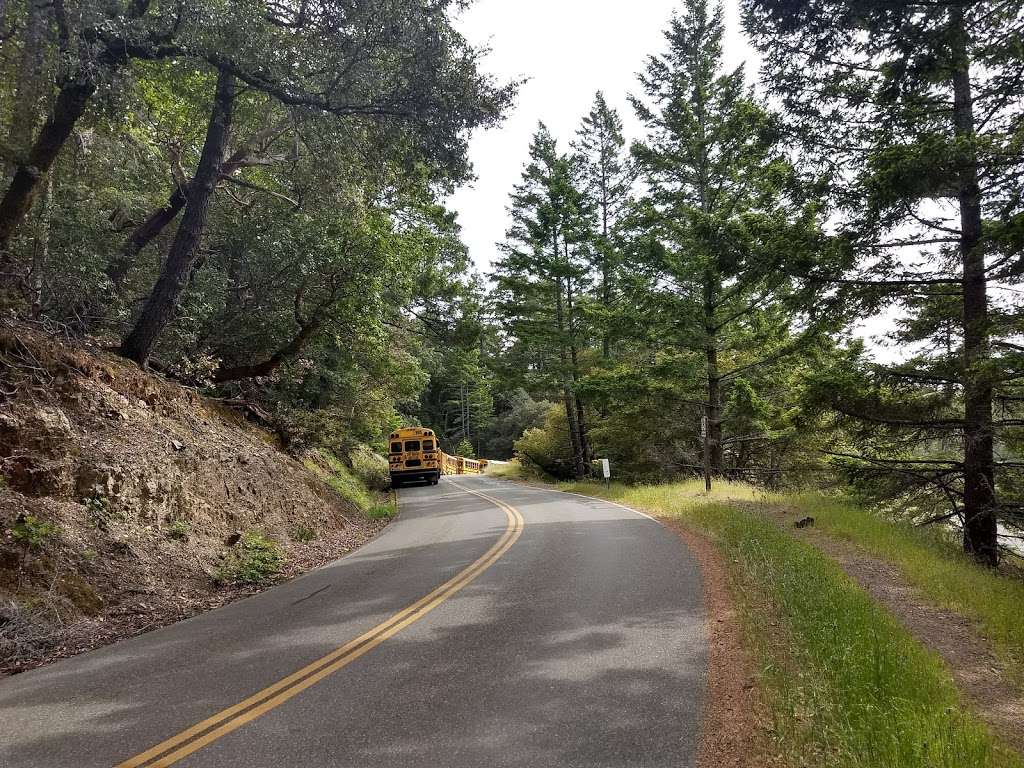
<point x="570" y="49"/>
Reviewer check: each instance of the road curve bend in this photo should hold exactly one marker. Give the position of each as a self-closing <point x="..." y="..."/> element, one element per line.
<point x="490" y="625"/>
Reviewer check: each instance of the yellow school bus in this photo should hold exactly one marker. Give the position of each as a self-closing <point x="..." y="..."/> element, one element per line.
<point x="413" y="454"/>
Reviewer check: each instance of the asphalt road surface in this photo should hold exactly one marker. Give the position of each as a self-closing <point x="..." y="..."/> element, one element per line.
<point x="519" y="627"/>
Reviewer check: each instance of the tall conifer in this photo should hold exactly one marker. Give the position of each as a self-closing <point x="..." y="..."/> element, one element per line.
<point x="914" y="112"/>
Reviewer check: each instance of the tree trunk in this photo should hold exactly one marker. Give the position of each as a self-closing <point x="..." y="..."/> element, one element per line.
<point x="581" y="424"/>
<point x="567" y="393"/>
<point x="69" y="106"/>
<point x="163" y="300"/>
<point x="606" y="289"/>
<point x="980" y="528"/>
<point x="41" y="253"/>
<point x="272" y="363"/>
<point x="144" y="234"/>
<point x="713" y="407"/>
<point x="160" y="219"/>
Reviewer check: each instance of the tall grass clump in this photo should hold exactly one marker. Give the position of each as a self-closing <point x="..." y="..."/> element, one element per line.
<point x="846" y="685"/>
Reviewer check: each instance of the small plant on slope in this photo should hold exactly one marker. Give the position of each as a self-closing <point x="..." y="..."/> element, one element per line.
<point x="255" y="560"/>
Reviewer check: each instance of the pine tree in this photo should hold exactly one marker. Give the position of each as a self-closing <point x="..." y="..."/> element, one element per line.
<point x="607" y="176"/>
<point x="541" y="277"/>
<point x="721" y="216"/>
<point x="914" y="113"/>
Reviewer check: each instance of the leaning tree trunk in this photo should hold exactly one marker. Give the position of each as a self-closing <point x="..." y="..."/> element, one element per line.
<point x="980" y="528"/>
<point x="69" y="106"/>
<point x="158" y="220"/>
<point x="181" y="257"/>
<point x="143" y="234"/>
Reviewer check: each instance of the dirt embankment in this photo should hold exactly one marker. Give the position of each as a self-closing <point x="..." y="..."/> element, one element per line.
<point x="122" y="495"/>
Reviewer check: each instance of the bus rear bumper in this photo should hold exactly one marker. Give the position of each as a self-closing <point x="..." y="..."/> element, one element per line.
<point x="411" y="475"/>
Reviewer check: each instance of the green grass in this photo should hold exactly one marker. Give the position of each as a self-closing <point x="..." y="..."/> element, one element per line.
<point x="931" y="561"/>
<point x="510" y="470"/>
<point x="845" y="684"/>
<point x="928" y="558"/>
<point x="383" y="511"/>
<point x="350" y="487"/>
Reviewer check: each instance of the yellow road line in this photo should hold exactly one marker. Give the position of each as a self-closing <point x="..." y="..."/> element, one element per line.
<point x="201" y="734"/>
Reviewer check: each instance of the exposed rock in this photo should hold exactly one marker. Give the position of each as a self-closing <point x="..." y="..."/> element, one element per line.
<point x="109" y="457"/>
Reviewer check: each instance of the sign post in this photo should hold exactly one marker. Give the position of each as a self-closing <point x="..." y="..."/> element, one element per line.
<point x="606" y="471"/>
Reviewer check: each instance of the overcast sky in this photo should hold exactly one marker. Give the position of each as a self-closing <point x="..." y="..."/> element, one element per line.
<point x="569" y="49"/>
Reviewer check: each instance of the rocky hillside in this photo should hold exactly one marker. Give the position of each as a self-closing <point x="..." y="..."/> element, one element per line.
<point x="128" y="501"/>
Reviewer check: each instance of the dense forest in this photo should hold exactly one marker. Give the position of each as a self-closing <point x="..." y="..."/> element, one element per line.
<point x="249" y="198"/>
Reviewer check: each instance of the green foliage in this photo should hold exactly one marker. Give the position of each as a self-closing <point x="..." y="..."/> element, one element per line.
<point x="543" y="274"/>
<point x="303" y="533"/>
<point x="179" y="530"/>
<point x="508" y="470"/>
<point x="371" y="468"/>
<point x="254" y="560"/>
<point x="99" y="513"/>
<point x="31" y="532"/>
<point x="923" y="203"/>
<point x="465" y="449"/>
<point x="349" y="484"/>
<point x="339" y="477"/>
<point x="325" y="240"/>
<point x="546" y="449"/>
<point x="515" y="413"/>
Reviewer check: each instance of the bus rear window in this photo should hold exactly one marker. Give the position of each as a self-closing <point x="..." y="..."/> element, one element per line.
<point x="428" y="445"/>
<point x="396" y="447"/>
<point x="412" y="445"/>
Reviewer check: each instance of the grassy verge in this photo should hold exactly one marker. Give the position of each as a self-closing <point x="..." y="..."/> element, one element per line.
<point x="932" y="562"/>
<point x="507" y="470"/>
<point x="331" y="470"/>
<point x="845" y="684"/>
<point x="927" y="557"/>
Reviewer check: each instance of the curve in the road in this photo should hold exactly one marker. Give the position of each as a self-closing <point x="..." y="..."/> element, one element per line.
<point x="179" y="746"/>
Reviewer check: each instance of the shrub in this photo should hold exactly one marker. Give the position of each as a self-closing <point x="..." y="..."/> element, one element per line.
<point x="303" y="533"/>
<point x="255" y="560"/>
<point x="99" y="513"/>
<point x="179" y="530"/>
<point x="31" y="532"/>
<point x="547" y="448"/>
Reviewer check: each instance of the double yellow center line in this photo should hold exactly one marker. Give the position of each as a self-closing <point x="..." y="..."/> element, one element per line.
<point x="202" y="734"/>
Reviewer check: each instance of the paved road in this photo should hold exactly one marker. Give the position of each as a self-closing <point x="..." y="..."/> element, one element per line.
<point x="524" y="628"/>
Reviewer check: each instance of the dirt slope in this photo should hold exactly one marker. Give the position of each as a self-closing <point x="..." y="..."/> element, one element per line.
<point x="120" y="494"/>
